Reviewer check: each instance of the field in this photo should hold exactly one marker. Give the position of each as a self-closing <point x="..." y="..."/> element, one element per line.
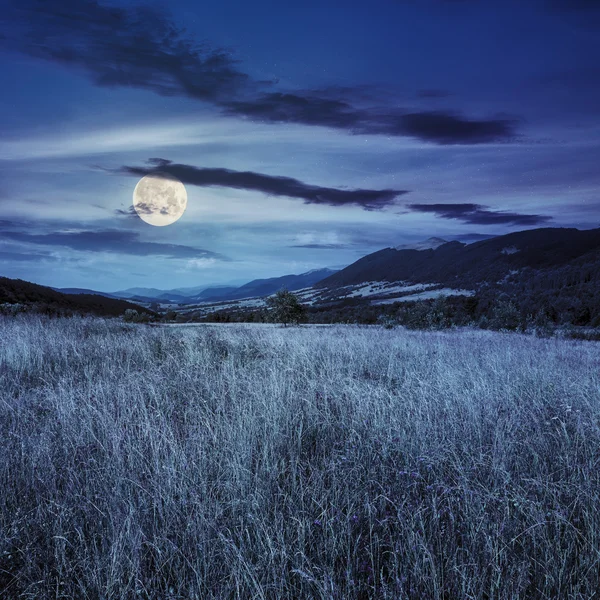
<point x="264" y="462"/>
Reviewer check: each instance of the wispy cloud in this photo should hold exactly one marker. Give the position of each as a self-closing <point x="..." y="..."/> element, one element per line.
<point x="432" y="126"/>
<point x="200" y="263"/>
<point x="114" y="241"/>
<point x="269" y="184"/>
<point x="326" y="240"/>
<point x="81" y="141"/>
<point x="120" y="46"/>
<point x="468" y="238"/>
<point x="478" y="214"/>
<point x="35" y="257"/>
<point x="318" y="246"/>
<point x="142" y="48"/>
<point x="447" y="128"/>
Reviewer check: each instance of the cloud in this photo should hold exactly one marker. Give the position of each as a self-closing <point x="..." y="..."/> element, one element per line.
<point x="316" y="246"/>
<point x="130" y="212"/>
<point x="468" y="238"/>
<point x="280" y="107"/>
<point x="118" y="46"/>
<point x="142" y="48"/>
<point x="478" y="214"/>
<point x="142" y="208"/>
<point x="326" y="240"/>
<point x="447" y="128"/>
<point x="431" y="126"/>
<point x="8" y="256"/>
<point x="200" y="263"/>
<point x="268" y="184"/>
<point x="122" y="242"/>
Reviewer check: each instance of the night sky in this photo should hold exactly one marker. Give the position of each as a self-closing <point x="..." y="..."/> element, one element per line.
<point x="307" y="134"/>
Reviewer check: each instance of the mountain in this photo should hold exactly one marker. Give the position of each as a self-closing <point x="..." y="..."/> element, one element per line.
<point x="139" y="292"/>
<point x="46" y="299"/>
<point x="264" y="287"/>
<point x="430" y="244"/>
<point x="194" y="295"/>
<point x="171" y="297"/>
<point x="78" y="291"/>
<point x="540" y="278"/>
<point x="216" y="291"/>
<point x="199" y="289"/>
<point x="256" y="287"/>
<point x="468" y="266"/>
<point x="150" y="295"/>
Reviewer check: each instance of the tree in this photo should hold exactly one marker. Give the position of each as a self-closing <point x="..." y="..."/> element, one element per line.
<point x="437" y="317"/>
<point x="505" y="315"/>
<point x="133" y="316"/>
<point x="286" y="308"/>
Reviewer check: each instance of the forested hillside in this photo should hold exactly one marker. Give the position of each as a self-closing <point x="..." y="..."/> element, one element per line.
<point x="16" y="294"/>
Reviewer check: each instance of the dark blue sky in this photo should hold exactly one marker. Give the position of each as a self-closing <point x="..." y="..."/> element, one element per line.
<point x="307" y="134"/>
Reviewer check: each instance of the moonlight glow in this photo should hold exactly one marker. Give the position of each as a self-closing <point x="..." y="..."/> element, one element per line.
<point x="159" y="199"/>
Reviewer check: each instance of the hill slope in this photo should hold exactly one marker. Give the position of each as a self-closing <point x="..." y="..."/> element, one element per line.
<point x="256" y="287"/>
<point x="462" y="265"/>
<point x="430" y="244"/>
<point x="264" y="287"/>
<point x="17" y="291"/>
<point x="77" y="291"/>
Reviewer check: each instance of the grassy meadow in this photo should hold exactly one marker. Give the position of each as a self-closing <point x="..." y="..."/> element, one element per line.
<point x="260" y="462"/>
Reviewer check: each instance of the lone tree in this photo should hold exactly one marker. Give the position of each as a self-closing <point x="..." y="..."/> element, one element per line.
<point x="286" y="308"/>
<point x="133" y="316"/>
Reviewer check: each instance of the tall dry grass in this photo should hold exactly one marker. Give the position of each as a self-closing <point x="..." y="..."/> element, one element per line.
<point x="259" y="462"/>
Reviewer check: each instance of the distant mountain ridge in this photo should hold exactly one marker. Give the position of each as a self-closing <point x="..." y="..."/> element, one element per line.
<point x="430" y="244"/>
<point x="80" y="291"/>
<point x="553" y="272"/>
<point x="220" y="290"/>
<point x="140" y="292"/>
<point x="265" y="287"/>
<point x="469" y="265"/>
<point x="256" y="287"/>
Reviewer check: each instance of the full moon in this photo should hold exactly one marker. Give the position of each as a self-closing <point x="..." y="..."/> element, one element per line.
<point x="159" y="199"/>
